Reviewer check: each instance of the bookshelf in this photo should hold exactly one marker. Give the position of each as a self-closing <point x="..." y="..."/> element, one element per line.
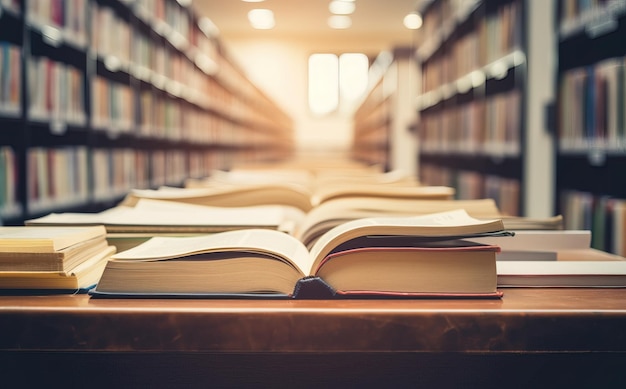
<point x="98" y="97"/>
<point x="372" y="118"/>
<point x="383" y="119"/>
<point x="591" y="151"/>
<point x="474" y="104"/>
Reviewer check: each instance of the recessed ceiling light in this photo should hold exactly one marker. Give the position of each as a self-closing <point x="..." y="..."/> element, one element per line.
<point x="339" y="22"/>
<point x="261" y="19"/>
<point x="413" y="21"/>
<point x="341" y="7"/>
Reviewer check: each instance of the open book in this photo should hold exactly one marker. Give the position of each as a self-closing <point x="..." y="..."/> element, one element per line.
<point x="278" y="193"/>
<point x="403" y="256"/>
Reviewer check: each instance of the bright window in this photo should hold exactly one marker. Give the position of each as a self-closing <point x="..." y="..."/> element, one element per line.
<point x="335" y="80"/>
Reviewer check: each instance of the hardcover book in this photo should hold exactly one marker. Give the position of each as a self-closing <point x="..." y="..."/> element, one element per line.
<point x="399" y="256"/>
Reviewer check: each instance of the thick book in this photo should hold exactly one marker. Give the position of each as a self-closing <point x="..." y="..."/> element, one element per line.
<point x="82" y="277"/>
<point x="398" y="256"/>
<point x="63" y="260"/>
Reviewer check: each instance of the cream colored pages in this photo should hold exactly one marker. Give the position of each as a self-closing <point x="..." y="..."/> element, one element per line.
<point x="230" y="196"/>
<point x="30" y="239"/>
<point x="343" y="209"/>
<point x="149" y="212"/>
<point x="457" y="222"/>
<point x="327" y="193"/>
<point x="277" y="244"/>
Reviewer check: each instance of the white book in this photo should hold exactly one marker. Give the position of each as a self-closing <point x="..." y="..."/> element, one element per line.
<point x="561" y="273"/>
<point x="540" y="240"/>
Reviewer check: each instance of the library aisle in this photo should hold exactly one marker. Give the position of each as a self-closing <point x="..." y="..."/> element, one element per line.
<point x="514" y="100"/>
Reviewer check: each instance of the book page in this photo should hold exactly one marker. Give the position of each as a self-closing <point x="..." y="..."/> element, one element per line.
<point x="451" y="223"/>
<point x="150" y="212"/>
<point x="343" y="209"/>
<point x="231" y="196"/>
<point x="323" y="194"/>
<point x="270" y="242"/>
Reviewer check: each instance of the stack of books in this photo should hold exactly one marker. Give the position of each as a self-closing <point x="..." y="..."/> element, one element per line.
<point x="55" y="259"/>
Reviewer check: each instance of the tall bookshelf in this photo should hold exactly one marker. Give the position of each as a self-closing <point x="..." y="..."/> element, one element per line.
<point x="591" y="120"/>
<point x="373" y="117"/>
<point x="102" y="96"/>
<point x="382" y="121"/>
<point x="474" y="100"/>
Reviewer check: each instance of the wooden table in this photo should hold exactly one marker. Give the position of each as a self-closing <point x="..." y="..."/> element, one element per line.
<point x="529" y="338"/>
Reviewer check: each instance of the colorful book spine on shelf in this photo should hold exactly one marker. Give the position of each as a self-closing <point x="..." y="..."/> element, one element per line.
<point x="115" y="48"/>
<point x="56" y="92"/>
<point x="112" y="106"/>
<point x="505" y="191"/>
<point x="117" y="171"/>
<point x="591" y="107"/>
<point x="66" y="16"/>
<point x="604" y="216"/>
<point x="57" y="177"/>
<point x="9" y="204"/>
<point x="10" y="79"/>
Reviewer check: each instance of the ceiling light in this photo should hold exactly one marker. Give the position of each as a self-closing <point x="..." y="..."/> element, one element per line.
<point x="340" y="7"/>
<point x="339" y="22"/>
<point x="413" y="21"/>
<point x="261" y="19"/>
<point x="253" y="1"/>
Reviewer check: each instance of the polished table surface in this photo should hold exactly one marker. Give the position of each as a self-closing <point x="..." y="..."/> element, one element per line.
<point x="584" y="327"/>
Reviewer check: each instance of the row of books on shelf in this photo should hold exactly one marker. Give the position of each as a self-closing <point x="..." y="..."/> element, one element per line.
<point x="59" y="99"/>
<point x="169" y="19"/>
<point x="57" y="177"/>
<point x="169" y="70"/>
<point x="56" y="92"/>
<point x="493" y="37"/>
<point x="70" y="19"/>
<point x="605" y="216"/>
<point x="60" y="20"/>
<point x="9" y="204"/>
<point x="474" y="80"/>
<point x="496" y="38"/>
<point x="590" y="16"/>
<point x="440" y="19"/>
<point x="222" y="238"/>
<point x="474" y="185"/>
<point x="591" y="107"/>
<point x="188" y="77"/>
<point x="10" y="79"/>
<point x="117" y="171"/>
<point x="489" y="126"/>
